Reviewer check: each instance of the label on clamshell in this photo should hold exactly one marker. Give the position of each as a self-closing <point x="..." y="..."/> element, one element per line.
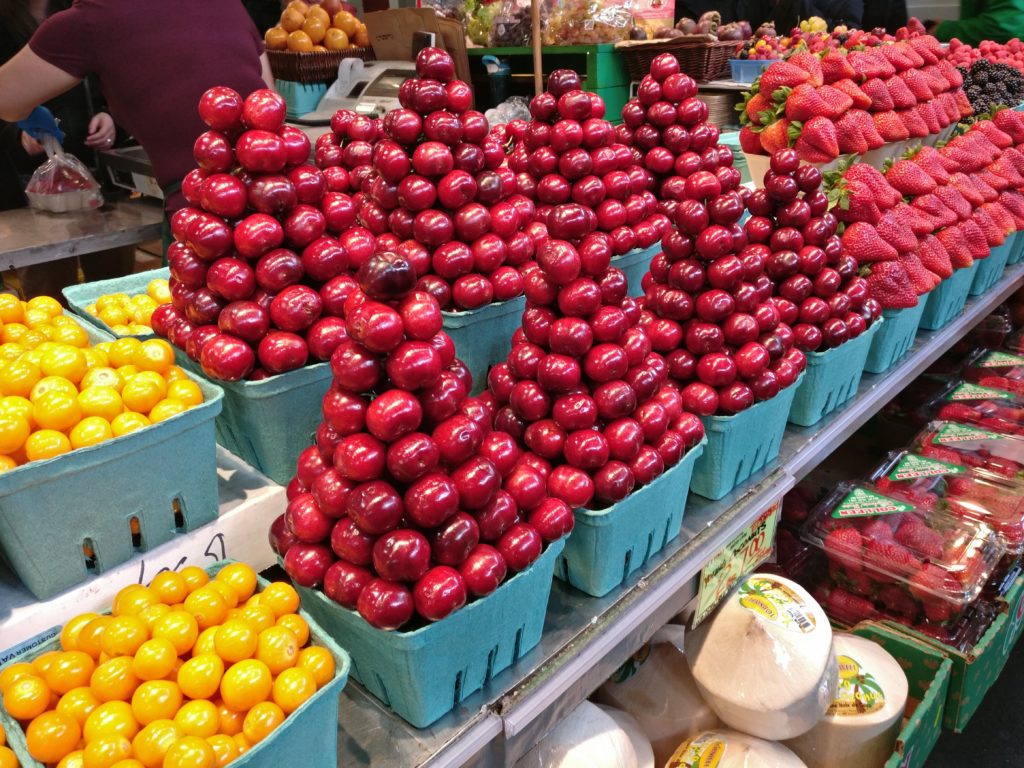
<point x="968" y="391"/>
<point x="913" y="466"/>
<point x="861" y="502"/>
<point x="1000" y="360"/>
<point x="776" y="603"/>
<point x="705" y="751"/>
<point x="952" y="432"/>
<point x="858" y="693"/>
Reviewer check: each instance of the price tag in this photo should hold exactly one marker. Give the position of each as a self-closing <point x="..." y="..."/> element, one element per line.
<point x="745" y="552"/>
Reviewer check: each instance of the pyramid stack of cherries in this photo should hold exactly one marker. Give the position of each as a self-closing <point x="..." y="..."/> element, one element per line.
<point x="399" y="509"/>
<point x="567" y="158"/>
<point x="430" y="184"/>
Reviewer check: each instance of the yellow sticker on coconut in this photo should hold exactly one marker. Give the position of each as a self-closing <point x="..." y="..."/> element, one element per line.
<point x="858" y="693"/>
<point x="776" y="603"/>
<point x="705" y="751"/>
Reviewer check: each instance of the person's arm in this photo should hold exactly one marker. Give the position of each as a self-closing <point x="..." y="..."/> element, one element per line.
<point x="27" y="81"/>
<point x="268" y="76"/>
<point x="997" y="20"/>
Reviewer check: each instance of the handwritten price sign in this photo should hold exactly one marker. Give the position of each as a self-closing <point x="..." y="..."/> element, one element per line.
<point x="745" y="552"/>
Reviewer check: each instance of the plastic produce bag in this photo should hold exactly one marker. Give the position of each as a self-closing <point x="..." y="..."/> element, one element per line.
<point x="515" y="108"/>
<point x="513" y="24"/>
<point x="479" y="20"/>
<point x="587" y="22"/>
<point x="62" y="183"/>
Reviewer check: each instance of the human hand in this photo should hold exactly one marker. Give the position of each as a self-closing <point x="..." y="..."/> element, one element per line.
<point x="30" y="145"/>
<point x="101" y="131"/>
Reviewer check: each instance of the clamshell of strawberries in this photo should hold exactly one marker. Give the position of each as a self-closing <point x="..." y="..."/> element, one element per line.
<point x="998" y="369"/>
<point x="987" y="407"/>
<point x="910" y="563"/>
<point x="970" y="445"/>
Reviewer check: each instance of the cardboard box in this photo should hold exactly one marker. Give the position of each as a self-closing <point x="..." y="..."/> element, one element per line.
<point x="391" y="34"/>
<point x="928" y="672"/>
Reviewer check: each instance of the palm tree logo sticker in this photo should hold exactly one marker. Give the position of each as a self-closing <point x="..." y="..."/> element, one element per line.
<point x="858" y="692"/>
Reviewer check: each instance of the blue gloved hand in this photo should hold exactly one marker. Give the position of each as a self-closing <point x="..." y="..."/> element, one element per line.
<point x="41" y="121"/>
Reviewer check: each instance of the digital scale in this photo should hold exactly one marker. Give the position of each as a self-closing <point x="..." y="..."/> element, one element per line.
<point x="367" y="88"/>
<point x="129" y="168"/>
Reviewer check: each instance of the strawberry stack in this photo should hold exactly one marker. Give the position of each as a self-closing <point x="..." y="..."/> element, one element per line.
<point x="852" y="103"/>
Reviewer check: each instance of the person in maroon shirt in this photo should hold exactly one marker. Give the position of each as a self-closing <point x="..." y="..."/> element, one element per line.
<point x="153" y="60"/>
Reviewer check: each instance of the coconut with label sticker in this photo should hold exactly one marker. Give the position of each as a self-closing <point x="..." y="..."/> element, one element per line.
<point x="863" y="722"/>
<point x="655" y="686"/>
<point x="641" y="744"/>
<point x="587" y="738"/>
<point x="763" y="660"/>
<point x="730" y="749"/>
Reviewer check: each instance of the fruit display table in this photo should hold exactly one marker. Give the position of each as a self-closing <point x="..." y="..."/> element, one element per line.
<point x="30" y="237"/>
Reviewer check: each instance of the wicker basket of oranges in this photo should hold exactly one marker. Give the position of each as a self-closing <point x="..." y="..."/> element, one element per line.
<point x="310" y="41"/>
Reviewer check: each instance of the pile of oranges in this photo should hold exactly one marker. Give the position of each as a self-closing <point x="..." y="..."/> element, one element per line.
<point x="185" y="673"/>
<point x="308" y="27"/>
<point x="58" y="393"/>
<point x="130" y="315"/>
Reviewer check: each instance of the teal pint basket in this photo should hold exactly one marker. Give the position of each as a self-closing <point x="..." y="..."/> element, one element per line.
<point x="269" y="423"/>
<point x="307" y="737"/>
<point x="831" y="378"/>
<point x="990" y="270"/>
<point x="81" y="296"/>
<point x="894" y="339"/>
<point x="636" y="264"/>
<point x="423" y="674"/>
<point x="483" y="337"/>
<point x="607" y="545"/>
<point x="741" y="444"/>
<point x="1017" y="249"/>
<point x="300" y="98"/>
<point x="746" y="71"/>
<point x="947" y="300"/>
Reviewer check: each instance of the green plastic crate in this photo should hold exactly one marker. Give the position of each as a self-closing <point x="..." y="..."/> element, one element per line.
<point x="895" y="337"/>
<point x="423" y="674"/>
<point x="990" y="270"/>
<point x="947" y="300"/>
<point x="607" y="545"/>
<point x="740" y="445"/>
<point x="483" y="337"/>
<point x="81" y="296"/>
<point x="831" y="378"/>
<point x="307" y="737"/>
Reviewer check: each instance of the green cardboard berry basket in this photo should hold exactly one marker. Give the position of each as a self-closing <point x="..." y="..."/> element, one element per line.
<point x="607" y="545"/>
<point x="307" y="737"/>
<point x="424" y="673"/>
<point x="162" y="477"/>
<point x="1017" y="248"/>
<point x="483" y="337"/>
<point x="636" y="264"/>
<point x="741" y="444"/>
<point x="990" y="270"/>
<point x="947" y="300"/>
<point x="895" y="337"/>
<point x="831" y="378"/>
<point x="81" y="296"/>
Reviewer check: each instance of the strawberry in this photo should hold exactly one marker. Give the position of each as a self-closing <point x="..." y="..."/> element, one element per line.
<point x="1005" y="168"/>
<point x="916" y="126"/>
<point x="998" y="183"/>
<point x="881" y="100"/>
<point x="988" y="192"/>
<point x="953" y="199"/>
<point x="750" y="141"/>
<point x="759" y="110"/>
<point x="909" y="179"/>
<point x="962" y="103"/>
<point x="919" y="224"/>
<point x="962" y="242"/>
<point x="781" y="74"/>
<point x="889" y="284"/>
<point x="775" y="136"/>
<point x="844" y="545"/>
<point x="885" y="195"/>
<point x="856" y="203"/>
<point x="950" y="72"/>
<point x="817" y="135"/>
<point x="862" y="241"/>
<point x="857" y="583"/>
<point x="994" y="234"/>
<point x="959" y="412"/>
<point x="924" y="50"/>
<point x="1000" y="216"/>
<point x="891" y="558"/>
<point x="810" y="64"/>
<point x="930" y="161"/>
<point x="847" y="608"/>
<point x="860" y="99"/>
<point x="806" y="101"/>
<point x="951" y="106"/>
<point x="899" y="602"/>
<point x="850" y="136"/>
<point x="934" y="257"/>
<point x="835" y="66"/>
<point x="936" y="81"/>
<point x="870" y="63"/>
<point x="983" y="144"/>
<point x="876" y="529"/>
<point x="966" y="158"/>
<point x="861" y="121"/>
<point x="1014" y="203"/>
<point x="917" y="84"/>
<point x="1010" y="122"/>
<point x="999" y="138"/>
<point x="933" y="451"/>
<point x="1014" y="157"/>
<point x="837" y="101"/>
<point x="967" y="187"/>
<point x="932" y="206"/>
<point x="915" y="59"/>
<point x="926" y="110"/>
<point x="919" y="538"/>
<point x="927" y="585"/>
<point x="897" y="57"/>
<point x="902" y="96"/>
<point x="895" y="230"/>
<point x="890" y="126"/>
<point x="921" y="280"/>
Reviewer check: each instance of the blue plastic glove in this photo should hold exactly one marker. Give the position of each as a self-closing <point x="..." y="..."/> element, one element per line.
<point x="41" y="121"/>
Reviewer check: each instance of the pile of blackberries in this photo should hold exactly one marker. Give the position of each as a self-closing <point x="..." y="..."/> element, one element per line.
<point x="988" y="85"/>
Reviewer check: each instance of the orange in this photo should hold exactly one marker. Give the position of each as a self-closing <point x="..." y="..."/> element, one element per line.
<point x="122" y="350"/>
<point x="131" y="600"/>
<point x="240" y="577"/>
<point x="151" y="744"/>
<point x="299" y="5"/>
<point x="45" y="444"/>
<point x="91" y="430"/>
<point x="346" y="22"/>
<point x="128" y="422"/>
<point x="44" y="662"/>
<point x="14" y="431"/>
<point x="90" y="636"/>
<point x="242" y="743"/>
<point x="74" y="759"/>
<point x="123" y="636"/>
<point x="11" y="309"/>
<point x="46" y="304"/>
<point x="61" y="360"/>
<point x="317" y="12"/>
<point x="154" y="659"/>
<point x="315" y="28"/>
<point x="106" y="751"/>
<point x="277" y="648"/>
<point x="293" y="688"/>
<point x="7" y="463"/>
<point x="184" y="391"/>
<point x="56" y="411"/>
<point x="335" y="39"/>
<point x="300" y="42"/>
<point x="190" y="752"/>
<point x="169" y="586"/>
<point x="319" y="662"/>
<point x="19" y="377"/>
<point x="281" y="598"/>
<point x="102" y="401"/>
<point x="15" y="671"/>
<point x="51" y="736"/>
<point x="73" y="335"/>
<point x="261" y="720"/>
<point x="52" y="385"/>
<point x="103" y="376"/>
<point x="235" y="640"/>
<point x="246" y="684"/>
<point x="70" y="670"/>
<point x="205" y="641"/>
<point x="153" y="355"/>
<point x="143" y="391"/>
<point x="194" y="576"/>
<point x="198" y="718"/>
<point x="207" y="605"/>
<point x="152" y="613"/>
<point x="27" y="697"/>
<point x="260" y="616"/>
<point x="361" y="38"/>
<point x="276" y="39"/>
<point x="130" y="762"/>
<point x="175" y="373"/>
<point x="291" y="20"/>
<point x="112" y="718"/>
<point x="165" y="409"/>
<point x="114" y="680"/>
<point x="224" y="748"/>
<point x="200" y="676"/>
<point x="297" y="625"/>
<point x="9" y="760"/>
<point x="180" y="628"/>
<point x="230" y="721"/>
<point x="156" y="700"/>
<point x="78" y="703"/>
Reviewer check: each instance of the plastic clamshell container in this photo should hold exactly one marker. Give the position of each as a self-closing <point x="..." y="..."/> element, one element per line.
<point x="423" y="674"/>
<point x="607" y="545"/>
<point x="947" y="300"/>
<point x="164" y="477"/>
<point x="81" y="296"/>
<point x="939" y="562"/>
<point x="972" y="446"/>
<point x="748" y="70"/>
<point x="969" y="403"/>
<point x="269" y="423"/>
<point x="635" y="264"/>
<point x="483" y="337"/>
<point x="990" y="270"/>
<point x="307" y="737"/>
<point x="895" y="337"/>
<point x="831" y="378"/>
<point x="996" y="368"/>
<point x="960" y="491"/>
<point x="741" y="444"/>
